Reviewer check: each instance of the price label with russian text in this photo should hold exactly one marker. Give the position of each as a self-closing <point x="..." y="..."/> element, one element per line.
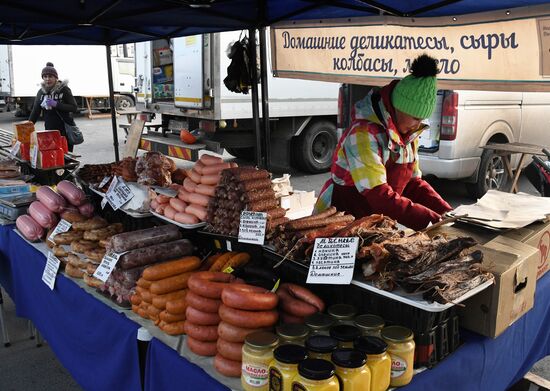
<point x="106" y="266"/>
<point x="119" y="193"/>
<point x="332" y="261"/>
<point x="34" y="156"/>
<point x="62" y="226"/>
<point x="15" y="149"/>
<point x="50" y="271"/>
<point x="252" y="227"/>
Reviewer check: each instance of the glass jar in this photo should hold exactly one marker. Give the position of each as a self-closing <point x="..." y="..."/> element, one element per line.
<point x="370" y="324"/>
<point x="292" y="333"/>
<point x="319" y="323"/>
<point x="378" y="361"/>
<point x="352" y="370"/>
<point x="342" y="313"/>
<point x="285" y="366"/>
<point x="315" y="375"/>
<point x="345" y="335"/>
<point x="257" y="356"/>
<point x="401" y="349"/>
<point x="321" y="346"/>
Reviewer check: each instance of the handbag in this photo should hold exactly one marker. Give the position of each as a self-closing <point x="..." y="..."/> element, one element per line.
<point x="74" y="135"/>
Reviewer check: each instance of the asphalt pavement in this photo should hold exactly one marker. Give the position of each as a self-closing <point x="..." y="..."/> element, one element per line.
<point x="25" y="367"/>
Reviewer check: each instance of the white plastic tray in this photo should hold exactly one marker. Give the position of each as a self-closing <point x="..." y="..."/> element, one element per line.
<point x="416" y="299"/>
<point x="186" y="226"/>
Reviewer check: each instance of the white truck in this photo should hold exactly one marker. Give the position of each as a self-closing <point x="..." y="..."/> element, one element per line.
<point x="182" y="80"/>
<point x="84" y="66"/>
<point x="462" y="123"/>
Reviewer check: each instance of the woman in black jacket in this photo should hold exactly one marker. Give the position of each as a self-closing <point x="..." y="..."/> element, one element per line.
<point x="55" y="101"/>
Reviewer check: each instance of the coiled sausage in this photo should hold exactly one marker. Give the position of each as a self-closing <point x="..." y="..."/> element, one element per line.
<point x="249" y="297"/>
<point x="252" y="319"/>
<point x="230" y="350"/>
<point x="201" y="318"/>
<point x="234" y="333"/>
<point x="204" y="303"/>
<point x="209" y="284"/>
<point x="227" y="367"/>
<point x="201" y="348"/>
<point x="201" y="333"/>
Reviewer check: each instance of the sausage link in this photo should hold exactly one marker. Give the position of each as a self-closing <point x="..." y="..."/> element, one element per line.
<point x="177" y="306"/>
<point x="209" y="284"/>
<point x="293" y="306"/>
<point x="201" y="348"/>
<point x="201" y="318"/>
<point x="304" y="294"/>
<point x="234" y="333"/>
<point x="201" y="333"/>
<point x="230" y="350"/>
<point x="227" y="367"/>
<point x="252" y="319"/>
<point x="204" y="303"/>
<point x="249" y="297"/>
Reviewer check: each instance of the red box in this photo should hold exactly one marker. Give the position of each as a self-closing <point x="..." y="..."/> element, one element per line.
<point x="51" y="158"/>
<point x="64" y="144"/>
<point x="25" y="151"/>
<point x="47" y="140"/>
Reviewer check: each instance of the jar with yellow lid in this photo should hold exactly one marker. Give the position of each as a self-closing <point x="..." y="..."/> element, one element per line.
<point x="342" y="313"/>
<point x="284" y="367"/>
<point x="315" y="375"/>
<point x="292" y="333"/>
<point x="321" y="346"/>
<point x="319" y="323"/>
<point x="344" y="334"/>
<point x="369" y="324"/>
<point x="257" y="356"/>
<point x="378" y="361"/>
<point x="351" y="369"/>
<point x="401" y="349"/>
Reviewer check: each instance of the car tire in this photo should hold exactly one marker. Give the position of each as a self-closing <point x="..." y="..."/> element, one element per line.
<point x="492" y="175"/>
<point x="313" y="149"/>
<point x="124" y="102"/>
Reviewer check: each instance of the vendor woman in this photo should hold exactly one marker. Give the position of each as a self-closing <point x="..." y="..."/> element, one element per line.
<point x="375" y="165"/>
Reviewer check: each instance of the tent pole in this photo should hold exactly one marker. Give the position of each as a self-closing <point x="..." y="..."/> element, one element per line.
<point x="255" y="104"/>
<point x="265" y="98"/>
<point x="112" y="101"/>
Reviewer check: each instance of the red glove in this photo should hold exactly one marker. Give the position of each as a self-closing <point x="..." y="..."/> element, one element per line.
<point x="418" y="190"/>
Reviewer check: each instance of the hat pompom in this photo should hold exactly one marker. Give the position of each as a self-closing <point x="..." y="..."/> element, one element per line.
<point x="424" y="66"/>
<point x="49" y="64"/>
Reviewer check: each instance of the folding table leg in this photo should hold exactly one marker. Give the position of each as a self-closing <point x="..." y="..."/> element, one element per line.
<point x="5" y="336"/>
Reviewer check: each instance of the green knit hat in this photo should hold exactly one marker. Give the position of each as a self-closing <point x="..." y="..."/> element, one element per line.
<point x="416" y="93"/>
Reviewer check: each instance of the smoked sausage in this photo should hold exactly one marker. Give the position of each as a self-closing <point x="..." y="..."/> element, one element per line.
<point x="170" y="284"/>
<point x="204" y="303"/>
<point x="167" y="317"/>
<point x="249" y="297"/>
<point x="53" y="201"/>
<point x="294" y="306"/>
<point x="144" y="238"/>
<point x="234" y="333"/>
<point x="42" y="215"/>
<point x="201" y="348"/>
<point x="230" y="350"/>
<point x="303" y="294"/>
<point x="227" y="367"/>
<point x="252" y="319"/>
<point x="176" y="328"/>
<point x="201" y="333"/>
<point x="171" y="268"/>
<point x="73" y="194"/>
<point x="209" y="284"/>
<point x="201" y="318"/>
<point x="177" y="306"/>
<point x="161" y="300"/>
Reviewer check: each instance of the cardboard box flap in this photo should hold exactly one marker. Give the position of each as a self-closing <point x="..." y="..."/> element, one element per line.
<point x="521" y="277"/>
<point x="507" y="245"/>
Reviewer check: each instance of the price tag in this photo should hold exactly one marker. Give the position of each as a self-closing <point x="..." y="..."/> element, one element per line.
<point x="119" y="193"/>
<point x="276" y="286"/>
<point x="228" y="245"/>
<point x="34" y="156"/>
<point x="62" y="226"/>
<point x="15" y="149"/>
<point x="252" y="227"/>
<point x="332" y="261"/>
<point x="50" y="271"/>
<point x="228" y="270"/>
<point x="103" y="202"/>
<point x="104" y="182"/>
<point x="106" y="266"/>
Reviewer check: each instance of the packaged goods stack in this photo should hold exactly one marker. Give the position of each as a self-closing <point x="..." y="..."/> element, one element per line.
<point x="51" y="148"/>
<point x="23" y="131"/>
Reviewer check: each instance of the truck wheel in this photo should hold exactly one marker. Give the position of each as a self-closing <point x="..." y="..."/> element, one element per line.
<point x="247" y="153"/>
<point x="123" y="102"/>
<point x="492" y="175"/>
<point x="314" y="147"/>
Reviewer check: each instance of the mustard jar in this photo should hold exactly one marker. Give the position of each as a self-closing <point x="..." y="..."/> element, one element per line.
<point x="352" y="370"/>
<point x="257" y="356"/>
<point x="344" y="334"/>
<point x="292" y="333"/>
<point x="319" y="323"/>
<point x="369" y="324"/>
<point x="315" y="375"/>
<point x="401" y="350"/>
<point x="284" y="367"/>
<point x="342" y="313"/>
<point x="378" y="361"/>
<point x="321" y="346"/>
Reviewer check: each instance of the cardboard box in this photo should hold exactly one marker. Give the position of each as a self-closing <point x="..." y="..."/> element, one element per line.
<point x="51" y="158"/>
<point x="23" y="131"/>
<point x="25" y="151"/>
<point x="514" y="265"/>
<point x="47" y="140"/>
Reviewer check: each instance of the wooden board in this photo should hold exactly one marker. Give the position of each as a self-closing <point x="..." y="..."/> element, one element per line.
<point x="134" y="135"/>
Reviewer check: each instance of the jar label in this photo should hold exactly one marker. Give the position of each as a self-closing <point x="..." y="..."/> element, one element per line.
<point x="255" y="375"/>
<point x="298" y="387"/>
<point x="275" y="379"/>
<point x="398" y="366"/>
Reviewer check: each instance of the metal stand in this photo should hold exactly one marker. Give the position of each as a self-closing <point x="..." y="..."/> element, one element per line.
<point x="5" y="336"/>
<point x="35" y="334"/>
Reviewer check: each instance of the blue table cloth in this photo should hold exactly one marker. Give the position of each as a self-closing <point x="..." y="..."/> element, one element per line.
<point x="95" y="343"/>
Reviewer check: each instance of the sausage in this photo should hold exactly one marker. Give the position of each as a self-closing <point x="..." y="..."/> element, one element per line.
<point x="201" y="318"/>
<point x="227" y="367"/>
<point x="178" y="204"/>
<point x="196" y="210"/>
<point x="153" y="313"/>
<point x="154" y="205"/>
<point x="171" y="268"/>
<point x="170" y="284"/>
<point x="210" y="261"/>
<point x="201" y="333"/>
<point x="210" y="179"/>
<point x="318" y="223"/>
<point x="73" y="194"/>
<point x="51" y="200"/>
<point x="222" y="260"/>
<point x="232" y="333"/>
<point x="183" y="195"/>
<point x="237" y="260"/>
<point x="168" y="317"/>
<point x="294" y="306"/>
<point x="263" y="205"/>
<point x="198" y="199"/>
<point x="215" y="168"/>
<point x="206" y="190"/>
<point x="198" y="167"/>
<point x="203" y="303"/>
<point x="194" y="175"/>
<point x="291" y="319"/>
<point x="186" y="218"/>
<point x="201" y="348"/>
<point x="135" y="299"/>
<point x="146" y="296"/>
<point x="170" y="212"/>
<point x="275" y="214"/>
<point x="144" y="238"/>
<point x="252" y="319"/>
<point x="209" y="284"/>
<point x="176" y="328"/>
<point x="177" y="306"/>
<point x="160" y="209"/>
<point x="210" y="160"/>
<point x="249" y="297"/>
<point x="161" y="300"/>
<point x="304" y="294"/>
<point x="230" y="350"/>
<point x="255" y="184"/>
<point x="42" y="215"/>
<point x="86" y="209"/>
<point x="143" y="283"/>
<point x="72" y="216"/>
<point x="189" y="185"/>
<point x="155" y="253"/>
<point x="30" y="229"/>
